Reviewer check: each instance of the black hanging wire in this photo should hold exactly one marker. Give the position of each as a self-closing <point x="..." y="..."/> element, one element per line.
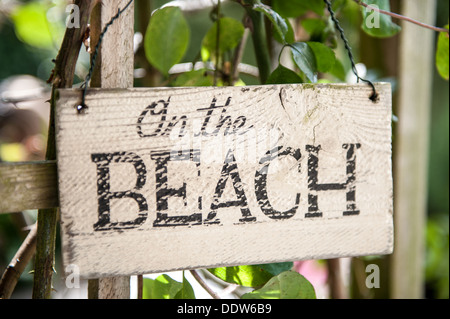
<point x="374" y="96"/>
<point x="82" y="106"/>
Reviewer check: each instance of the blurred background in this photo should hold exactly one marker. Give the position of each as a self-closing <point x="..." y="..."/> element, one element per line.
<point x="30" y="37"/>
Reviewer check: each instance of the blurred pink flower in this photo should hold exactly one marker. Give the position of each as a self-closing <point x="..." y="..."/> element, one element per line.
<point x="316" y="273"/>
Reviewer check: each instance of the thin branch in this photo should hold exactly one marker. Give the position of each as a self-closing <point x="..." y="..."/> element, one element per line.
<point x="400" y="17"/>
<point x="238" y="55"/>
<point x="18" y="264"/>
<point x="204" y="285"/>
<point x="216" y="71"/>
<point x="140" y="287"/>
<point x="62" y="77"/>
<point x="260" y="44"/>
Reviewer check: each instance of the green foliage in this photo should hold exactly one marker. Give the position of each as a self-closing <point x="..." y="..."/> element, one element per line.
<point x="167" y="38"/>
<point x="283" y="75"/>
<point x="231" y="32"/>
<point x="376" y="24"/>
<point x="305" y="60"/>
<point x="194" y="78"/>
<point x="276" y="268"/>
<point x="295" y="8"/>
<point x="278" y="22"/>
<point x="437" y="259"/>
<point x="442" y="54"/>
<point x="165" y="287"/>
<point x="250" y="276"/>
<point x="32" y="26"/>
<point x="324" y="56"/>
<point x="247" y="276"/>
<point x="287" y="285"/>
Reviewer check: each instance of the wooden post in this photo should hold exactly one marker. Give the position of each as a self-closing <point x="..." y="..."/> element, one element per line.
<point x="114" y="69"/>
<point x="410" y="175"/>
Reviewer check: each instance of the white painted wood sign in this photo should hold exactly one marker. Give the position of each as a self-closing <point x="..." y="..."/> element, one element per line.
<point x="155" y="180"/>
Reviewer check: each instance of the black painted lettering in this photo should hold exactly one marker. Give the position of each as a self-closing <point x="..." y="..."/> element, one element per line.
<point x="105" y="195"/>
<point x="163" y="191"/>
<point x="349" y="185"/>
<point x="230" y="170"/>
<point x="152" y="109"/>
<point x="261" y="184"/>
<point x="209" y="114"/>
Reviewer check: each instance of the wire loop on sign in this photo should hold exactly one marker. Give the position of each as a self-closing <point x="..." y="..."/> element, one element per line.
<point x="374" y="96"/>
<point x="82" y="106"/>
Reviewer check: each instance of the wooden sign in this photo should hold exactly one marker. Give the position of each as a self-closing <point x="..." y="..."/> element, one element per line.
<point x="155" y="180"/>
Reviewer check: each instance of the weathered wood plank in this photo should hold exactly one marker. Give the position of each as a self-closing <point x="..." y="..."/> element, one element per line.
<point x="155" y="180"/>
<point x="114" y="69"/>
<point x="26" y="186"/>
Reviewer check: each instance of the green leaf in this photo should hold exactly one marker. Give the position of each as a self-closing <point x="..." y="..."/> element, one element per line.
<point x="277" y="268"/>
<point x="32" y="26"/>
<point x="289" y="37"/>
<point x="376" y="24"/>
<point x="165" y="287"/>
<point x="186" y="292"/>
<point x="295" y="8"/>
<point x="247" y="276"/>
<point x="162" y="287"/>
<point x="338" y="70"/>
<point x="287" y="285"/>
<point x="305" y="60"/>
<point x="325" y="57"/>
<point x="194" y="78"/>
<point x="167" y="38"/>
<point x="278" y="22"/>
<point x="231" y="32"/>
<point x="283" y="75"/>
<point x="442" y="55"/>
<point x="315" y="27"/>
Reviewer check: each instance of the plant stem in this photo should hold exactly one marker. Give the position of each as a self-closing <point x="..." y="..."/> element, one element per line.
<point x="18" y="264"/>
<point x="260" y="44"/>
<point x="62" y="77"/>
<point x="239" y="53"/>
<point x="140" y="287"/>
<point x="204" y="285"/>
<point x="216" y="70"/>
<point x="401" y="17"/>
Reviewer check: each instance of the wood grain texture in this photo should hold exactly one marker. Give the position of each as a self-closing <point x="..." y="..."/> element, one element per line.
<point x="155" y="180"/>
<point x="27" y="186"/>
<point x="114" y="69"/>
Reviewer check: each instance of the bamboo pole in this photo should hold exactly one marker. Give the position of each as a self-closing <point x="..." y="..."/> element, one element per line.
<point x="411" y="154"/>
<point x="114" y="69"/>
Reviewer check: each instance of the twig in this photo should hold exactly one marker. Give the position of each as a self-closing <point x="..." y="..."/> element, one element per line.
<point x="260" y="43"/>
<point x="140" y="287"/>
<point x="401" y="17"/>
<point x="204" y="285"/>
<point x="62" y="77"/>
<point x="18" y="264"/>
<point x="216" y="71"/>
<point x="238" y="55"/>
